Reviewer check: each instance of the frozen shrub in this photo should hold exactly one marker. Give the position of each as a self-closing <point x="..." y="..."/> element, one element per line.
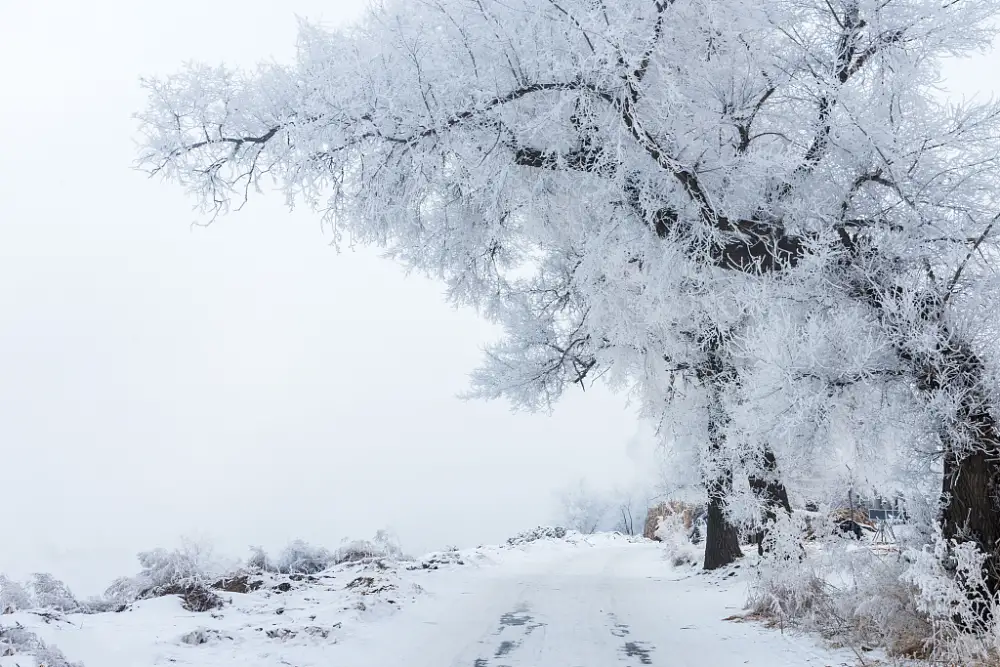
<point x="51" y="593"/>
<point x="848" y="593"/>
<point x="186" y="564"/>
<point x="100" y="605"/>
<point x="540" y="533"/>
<point x="185" y="571"/>
<point x="196" y="597"/>
<point x="300" y="557"/>
<point x="18" y="641"/>
<point x="13" y="596"/>
<point x="259" y="561"/>
<point x="200" y="636"/>
<point x="789" y="585"/>
<point x="884" y="606"/>
<point x="191" y="564"/>
<point x="50" y="656"/>
<point x="384" y="546"/>
<point x="950" y="586"/>
<point x="389" y="544"/>
<point x="126" y="590"/>
<point x="355" y="551"/>
<point x="674" y="533"/>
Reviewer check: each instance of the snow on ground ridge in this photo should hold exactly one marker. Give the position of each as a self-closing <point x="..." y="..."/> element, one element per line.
<point x="546" y="597"/>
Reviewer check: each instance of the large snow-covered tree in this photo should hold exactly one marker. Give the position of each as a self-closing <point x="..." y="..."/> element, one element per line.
<point x="628" y="186"/>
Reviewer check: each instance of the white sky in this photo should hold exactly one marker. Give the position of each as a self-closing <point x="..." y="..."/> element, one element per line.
<point x="242" y="382"/>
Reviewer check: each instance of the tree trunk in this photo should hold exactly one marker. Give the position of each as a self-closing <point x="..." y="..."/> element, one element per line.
<point x="722" y="538"/>
<point x="970" y="436"/>
<point x="971" y="486"/>
<point x="767" y="486"/>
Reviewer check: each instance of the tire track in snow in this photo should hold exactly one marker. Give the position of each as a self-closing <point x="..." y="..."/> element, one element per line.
<point x="642" y="651"/>
<point x="515" y="626"/>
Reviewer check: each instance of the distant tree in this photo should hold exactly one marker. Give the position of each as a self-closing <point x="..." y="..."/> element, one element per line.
<point x="260" y="561"/>
<point x="51" y="593"/>
<point x="13" y="596"/>
<point x="586" y="509"/>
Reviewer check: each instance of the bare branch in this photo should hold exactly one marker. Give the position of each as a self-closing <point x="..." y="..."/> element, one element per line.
<point x="961" y="267"/>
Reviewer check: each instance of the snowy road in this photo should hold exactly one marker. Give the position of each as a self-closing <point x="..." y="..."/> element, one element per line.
<point x="606" y="605"/>
<point x="582" y="601"/>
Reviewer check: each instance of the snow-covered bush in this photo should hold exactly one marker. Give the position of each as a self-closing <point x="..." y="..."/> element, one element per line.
<point x="387" y="541"/>
<point x="790" y="585"/>
<point x="300" y="557"/>
<point x="103" y="604"/>
<point x="964" y="629"/>
<point x="200" y="636"/>
<point x="354" y="551"/>
<point x="13" y="596"/>
<point x="190" y="563"/>
<point x="847" y="592"/>
<point x="259" y="561"/>
<point x="51" y="593"/>
<point x="383" y="546"/>
<point x="18" y="641"/>
<point x="125" y="590"/>
<point x="186" y="571"/>
<point x="674" y="534"/>
<point x="540" y="533"/>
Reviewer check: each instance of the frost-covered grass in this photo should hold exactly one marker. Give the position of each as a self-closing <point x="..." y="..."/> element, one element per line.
<point x="910" y="598"/>
<point x="197" y="579"/>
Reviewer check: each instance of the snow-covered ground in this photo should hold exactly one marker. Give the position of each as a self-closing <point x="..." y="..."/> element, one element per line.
<point x="593" y="601"/>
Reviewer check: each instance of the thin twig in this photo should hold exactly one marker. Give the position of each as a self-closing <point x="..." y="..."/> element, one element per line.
<point x="968" y="256"/>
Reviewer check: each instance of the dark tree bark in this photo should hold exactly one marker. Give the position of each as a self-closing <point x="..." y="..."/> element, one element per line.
<point x="768" y="487"/>
<point x="971" y="482"/>
<point x="969" y="514"/>
<point x="722" y="538"/>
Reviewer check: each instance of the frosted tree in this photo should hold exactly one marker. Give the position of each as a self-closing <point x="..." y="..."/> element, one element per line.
<point x="586" y="509"/>
<point x="51" y="593"/>
<point x="617" y="183"/>
<point x="13" y="596"/>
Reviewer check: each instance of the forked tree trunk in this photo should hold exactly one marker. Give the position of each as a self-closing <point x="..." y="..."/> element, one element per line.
<point x="722" y="538"/>
<point x="768" y="487"/>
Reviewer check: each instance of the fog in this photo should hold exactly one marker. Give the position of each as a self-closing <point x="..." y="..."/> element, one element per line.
<point x="241" y="383"/>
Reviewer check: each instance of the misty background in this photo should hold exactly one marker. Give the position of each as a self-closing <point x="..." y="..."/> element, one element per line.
<point x="241" y="383"/>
